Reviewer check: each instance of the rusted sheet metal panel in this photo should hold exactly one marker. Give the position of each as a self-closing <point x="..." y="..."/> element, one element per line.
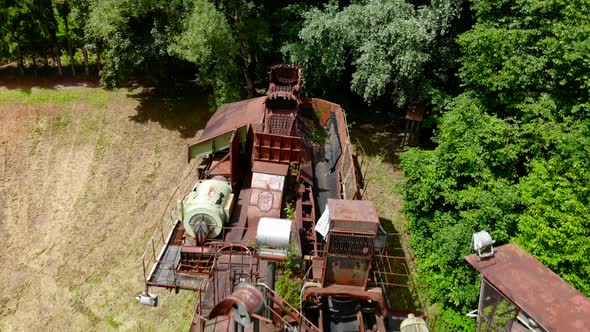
<point x="245" y="298"/>
<point x="322" y="108"/>
<point x="353" y="215"/>
<point x="270" y="168"/>
<point x="276" y="148"/>
<point x="346" y="170"/>
<point x="265" y="201"/>
<point x="346" y="271"/>
<point x="233" y="116"/>
<point x="285" y="82"/>
<point x="373" y="294"/>
<point x="346" y="165"/>
<point x="533" y="287"/>
<point x="351" y="240"/>
<point x="349" y="259"/>
<point x="348" y="173"/>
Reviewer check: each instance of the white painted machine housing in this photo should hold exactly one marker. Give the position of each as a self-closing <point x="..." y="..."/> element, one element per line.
<point x="210" y="201"/>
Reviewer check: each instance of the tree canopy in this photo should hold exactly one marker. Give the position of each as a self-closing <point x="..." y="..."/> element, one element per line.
<point x="512" y="149"/>
<point x="388" y="44"/>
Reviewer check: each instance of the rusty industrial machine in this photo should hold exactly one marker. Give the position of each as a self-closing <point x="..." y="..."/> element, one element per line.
<point x="276" y="180"/>
<point x="275" y="193"/>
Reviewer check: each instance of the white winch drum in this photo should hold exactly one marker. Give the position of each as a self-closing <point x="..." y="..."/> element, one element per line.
<point x="274" y="233"/>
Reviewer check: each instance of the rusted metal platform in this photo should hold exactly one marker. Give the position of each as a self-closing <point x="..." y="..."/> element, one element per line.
<point x="165" y="272"/>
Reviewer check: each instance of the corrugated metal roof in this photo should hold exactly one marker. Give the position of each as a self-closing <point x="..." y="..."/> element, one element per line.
<point x="233" y="116"/>
<point x="533" y="287"/>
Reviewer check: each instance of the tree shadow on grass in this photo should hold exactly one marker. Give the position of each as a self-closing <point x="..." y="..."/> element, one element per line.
<point x="185" y="113"/>
<point x="10" y="80"/>
<point x="379" y="135"/>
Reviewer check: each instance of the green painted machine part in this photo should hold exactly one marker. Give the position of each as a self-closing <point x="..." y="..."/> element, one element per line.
<point x="215" y="144"/>
<point x="206" y="208"/>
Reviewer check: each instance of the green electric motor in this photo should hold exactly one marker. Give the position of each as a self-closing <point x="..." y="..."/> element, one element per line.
<point x="206" y="209"/>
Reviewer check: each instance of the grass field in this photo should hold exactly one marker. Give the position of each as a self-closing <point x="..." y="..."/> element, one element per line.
<point x="84" y="173"/>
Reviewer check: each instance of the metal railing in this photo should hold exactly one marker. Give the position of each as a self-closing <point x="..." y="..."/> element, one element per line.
<point x="304" y="323"/>
<point x="164" y="227"/>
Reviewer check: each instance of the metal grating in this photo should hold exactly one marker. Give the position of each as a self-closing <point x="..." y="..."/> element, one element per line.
<point x="348" y="176"/>
<point x="350" y="244"/>
<point x="281" y="124"/>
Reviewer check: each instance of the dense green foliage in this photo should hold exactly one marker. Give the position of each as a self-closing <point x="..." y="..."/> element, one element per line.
<point x="388" y="43"/>
<point x="513" y="149"/>
<point x="225" y="45"/>
<point x="136" y="37"/>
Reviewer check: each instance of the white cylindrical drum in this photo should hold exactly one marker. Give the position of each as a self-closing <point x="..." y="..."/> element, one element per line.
<point x="274" y="232"/>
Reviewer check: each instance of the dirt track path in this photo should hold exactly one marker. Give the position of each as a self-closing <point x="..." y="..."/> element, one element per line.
<point x="80" y="186"/>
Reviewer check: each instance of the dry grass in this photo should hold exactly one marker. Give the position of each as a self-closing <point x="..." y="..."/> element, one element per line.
<point x="81" y="184"/>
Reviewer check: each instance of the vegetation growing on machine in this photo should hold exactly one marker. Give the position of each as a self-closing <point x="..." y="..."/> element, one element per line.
<point x="232" y="242"/>
<point x="290" y="282"/>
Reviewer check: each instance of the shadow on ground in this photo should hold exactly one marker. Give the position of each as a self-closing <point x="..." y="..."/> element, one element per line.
<point x="25" y="84"/>
<point x="378" y="133"/>
<point x="401" y="290"/>
<point x="186" y="114"/>
<point x="381" y="134"/>
<point x="47" y="79"/>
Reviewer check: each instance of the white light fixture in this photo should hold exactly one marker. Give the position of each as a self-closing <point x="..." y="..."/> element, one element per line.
<point x="483" y="244"/>
<point x="148" y="299"/>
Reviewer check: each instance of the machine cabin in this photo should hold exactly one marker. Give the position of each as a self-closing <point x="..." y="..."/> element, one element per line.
<point x="519" y="294"/>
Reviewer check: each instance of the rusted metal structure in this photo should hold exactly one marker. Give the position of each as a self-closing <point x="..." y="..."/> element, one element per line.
<point x="520" y="294"/>
<point x="414" y="117"/>
<point x="265" y="170"/>
<point x="275" y="179"/>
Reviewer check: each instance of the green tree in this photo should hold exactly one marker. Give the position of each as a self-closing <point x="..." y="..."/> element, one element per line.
<point x="555" y="227"/>
<point x="520" y="50"/>
<point x="463" y="186"/>
<point x="64" y="9"/>
<point x="136" y="36"/>
<point x="387" y="43"/>
<point x="28" y="30"/>
<point x="208" y="42"/>
<point x="239" y="45"/>
<point x="512" y="149"/>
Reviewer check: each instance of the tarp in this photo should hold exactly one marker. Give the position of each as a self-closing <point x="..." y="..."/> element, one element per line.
<point x="323" y="224"/>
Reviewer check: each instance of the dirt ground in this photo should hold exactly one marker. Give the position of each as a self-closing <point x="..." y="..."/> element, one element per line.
<point x="83" y="173"/>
